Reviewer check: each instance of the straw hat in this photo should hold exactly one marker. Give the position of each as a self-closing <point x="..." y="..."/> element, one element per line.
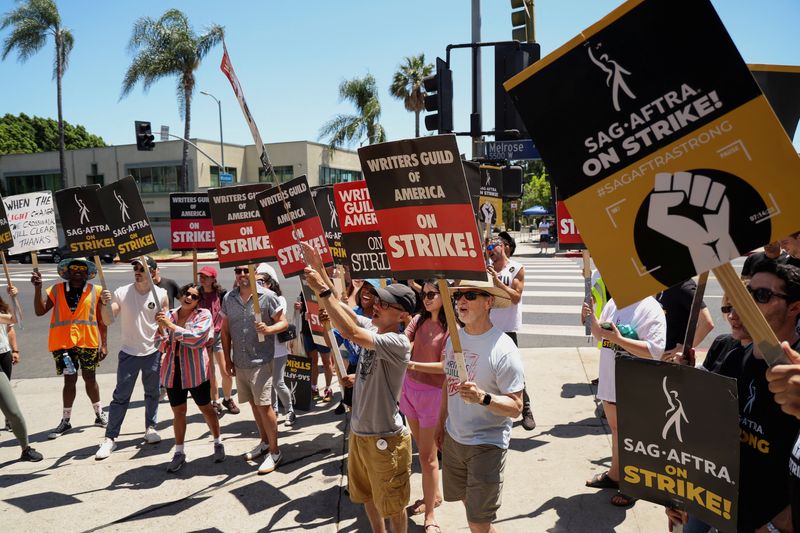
<point x="501" y="297"/>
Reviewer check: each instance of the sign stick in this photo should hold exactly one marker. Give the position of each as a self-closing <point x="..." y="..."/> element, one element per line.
<point x="763" y="336"/>
<point x="35" y="261"/>
<point x="694" y="313"/>
<point x="587" y="290"/>
<point x="194" y="265"/>
<point x="330" y="340"/>
<point x="256" y="303"/>
<point x="17" y="306"/>
<point x="150" y="281"/>
<point x="103" y="280"/>
<point x="452" y="326"/>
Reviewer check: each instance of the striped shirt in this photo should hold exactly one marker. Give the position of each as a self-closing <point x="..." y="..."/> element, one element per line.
<point x="190" y="341"/>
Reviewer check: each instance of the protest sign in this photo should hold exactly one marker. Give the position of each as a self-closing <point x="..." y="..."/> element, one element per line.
<point x="190" y="221"/>
<point x="312" y="313"/>
<point x="326" y="209"/>
<point x="359" y="224"/>
<point x="290" y="217"/>
<point x="569" y="238"/>
<point x="472" y="171"/>
<point x="85" y="227"/>
<point x="239" y="232"/>
<point x="297" y="377"/>
<point x="125" y="214"/>
<point x="679" y="438"/>
<point x="423" y="208"/>
<point x="491" y="195"/>
<point x="668" y="155"/>
<point x="6" y="236"/>
<point x="32" y="220"/>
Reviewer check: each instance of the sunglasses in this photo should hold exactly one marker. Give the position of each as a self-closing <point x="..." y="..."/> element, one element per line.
<point x="78" y="268"/>
<point x="471" y="296"/>
<point x="241" y="270"/>
<point x="138" y="268"/>
<point x="261" y="281"/>
<point x="763" y="295"/>
<point x="726" y="309"/>
<point x="192" y="295"/>
<point x="386" y="305"/>
<point x="430" y="295"/>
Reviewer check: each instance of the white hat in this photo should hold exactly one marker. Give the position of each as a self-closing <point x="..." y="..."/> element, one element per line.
<point x="265" y="268"/>
<point x="501" y="297"/>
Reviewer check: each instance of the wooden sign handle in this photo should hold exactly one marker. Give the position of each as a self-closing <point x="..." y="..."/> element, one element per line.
<point x="452" y="327"/>
<point x="194" y="265"/>
<point x="35" y="261"/>
<point x="763" y="337"/>
<point x="587" y="289"/>
<point x="256" y="303"/>
<point x="100" y="273"/>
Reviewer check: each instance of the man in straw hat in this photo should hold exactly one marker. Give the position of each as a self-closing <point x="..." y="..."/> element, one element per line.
<point x="77" y="336"/>
<point x="475" y="419"/>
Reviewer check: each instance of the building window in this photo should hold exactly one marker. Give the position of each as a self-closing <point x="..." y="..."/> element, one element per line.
<point x="156" y="179"/>
<point x="94" y="177"/>
<point x="283" y="174"/>
<point x="328" y="175"/>
<point x="214" y="170"/>
<point x="31" y="183"/>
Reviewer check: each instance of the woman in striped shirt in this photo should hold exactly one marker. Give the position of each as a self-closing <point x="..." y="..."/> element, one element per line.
<point x="185" y="368"/>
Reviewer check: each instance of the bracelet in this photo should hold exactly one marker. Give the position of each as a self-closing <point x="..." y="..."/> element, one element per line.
<point x="325" y="293"/>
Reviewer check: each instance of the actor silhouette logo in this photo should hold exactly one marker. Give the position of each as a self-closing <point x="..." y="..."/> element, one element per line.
<point x="751" y="399"/>
<point x="82" y="209"/>
<point x="615" y="75"/>
<point x="674" y="414"/>
<point x="334" y="213"/>
<point x="123" y="207"/>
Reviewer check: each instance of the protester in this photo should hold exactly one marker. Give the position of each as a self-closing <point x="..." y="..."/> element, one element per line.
<point x="184" y="369"/>
<point x="314" y="351"/>
<point x="9" y="353"/>
<point x="77" y="335"/>
<point x="767" y="433"/>
<point x="211" y="299"/>
<point x="676" y="302"/>
<point x="544" y="234"/>
<point x="13" y="414"/>
<point x="250" y="360"/>
<point x="379" y="461"/>
<point x="164" y="283"/>
<point x="772" y="252"/>
<point x="791" y="243"/>
<point x="639" y="330"/>
<point x="474" y="427"/>
<point x="268" y="278"/>
<point x="509" y="275"/>
<point x="135" y="306"/>
<point x="422" y="393"/>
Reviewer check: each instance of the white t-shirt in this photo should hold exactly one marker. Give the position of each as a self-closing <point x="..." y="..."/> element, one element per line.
<point x="544" y="228"/>
<point x="508" y="318"/>
<point x="280" y="347"/>
<point x="494" y="364"/>
<point x="646" y="317"/>
<point x="137" y="315"/>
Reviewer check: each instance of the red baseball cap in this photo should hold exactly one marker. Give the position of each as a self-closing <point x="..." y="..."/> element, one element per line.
<point x="209" y="271"/>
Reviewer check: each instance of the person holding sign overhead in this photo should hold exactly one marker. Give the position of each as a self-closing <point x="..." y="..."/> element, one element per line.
<point x="77" y="336"/>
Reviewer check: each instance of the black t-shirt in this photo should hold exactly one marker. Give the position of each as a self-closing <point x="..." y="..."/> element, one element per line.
<point x="172" y="290"/>
<point x="794" y="261"/>
<point x="766" y="438"/>
<point x="755" y="259"/>
<point x="794" y="483"/>
<point x="719" y="351"/>
<point x="73" y="295"/>
<point x="677" y="304"/>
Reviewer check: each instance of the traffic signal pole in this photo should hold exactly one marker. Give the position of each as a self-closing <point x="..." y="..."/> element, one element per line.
<point x="475" y="117"/>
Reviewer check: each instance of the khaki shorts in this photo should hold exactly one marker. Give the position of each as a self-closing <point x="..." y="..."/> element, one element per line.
<point x="380" y="476"/>
<point x="255" y="384"/>
<point x="473" y="474"/>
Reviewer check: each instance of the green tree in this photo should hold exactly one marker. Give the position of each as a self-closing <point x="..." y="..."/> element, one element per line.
<point x="169" y="47"/>
<point x="407" y="85"/>
<point x="344" y="130"/>
<point x="25" y="135"/>
<point x="31" y="23"/>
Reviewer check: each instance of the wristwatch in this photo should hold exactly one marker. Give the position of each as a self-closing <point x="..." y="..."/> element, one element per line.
<point x="325" y="293"/>
<point x="487" y="398"/>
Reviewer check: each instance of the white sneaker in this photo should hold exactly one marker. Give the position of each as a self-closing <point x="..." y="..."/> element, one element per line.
<point x="152" y="436"/>
<point x="105" y="449"/>
<point x="270" y="463"/>
<point x="257" y="452"/>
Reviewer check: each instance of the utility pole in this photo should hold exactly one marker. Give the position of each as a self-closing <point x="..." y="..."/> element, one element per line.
<point x="475" y="118"/>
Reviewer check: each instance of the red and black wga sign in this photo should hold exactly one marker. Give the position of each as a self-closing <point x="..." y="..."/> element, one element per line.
<point x="290" y="217"/>
<point x="127" y="218"/>
<point x="84" y="223"/>
<point x="360" y="233"/>
<point x="6" y="237"/>
<point x="423" y="208"/>
<point x="190" y="221"/>
<point x="239" y="232"/>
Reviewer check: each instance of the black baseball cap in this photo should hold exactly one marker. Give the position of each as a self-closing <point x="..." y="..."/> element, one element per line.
<point x="398" y="294"/>
<point x="512" y="245"/>
<point x="151" y="263"/>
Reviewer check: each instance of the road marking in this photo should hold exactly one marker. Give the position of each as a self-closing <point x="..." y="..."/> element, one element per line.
<point x="553" y="329"/>
<point x="553" y="284"/>
<point x="551" y="309"/>
<point x="553" y="294"/>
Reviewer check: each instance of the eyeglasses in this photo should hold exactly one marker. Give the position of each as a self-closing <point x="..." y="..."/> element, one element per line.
<point x="241" y="270"/>
<point x="430" y="295"/>
<point x="471" y="296"/>
<point x="261" y="281"/>
<point x="763" y="295"/>
<point x="386" y="305"/>
<point x="192" y="295"/>
<point x="138" y="268"/>
<point x="78" y="268"/>
<point x="726" y="309"/>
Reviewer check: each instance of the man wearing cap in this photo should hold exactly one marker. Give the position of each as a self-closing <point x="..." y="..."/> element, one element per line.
<point x="509" y="275"/>
<point x="379" y="462"/>
<point x="135" y="306"/>
<point x="475" y="418"/>
<point x="77" y="336"/>
<point x="167" y="284"/>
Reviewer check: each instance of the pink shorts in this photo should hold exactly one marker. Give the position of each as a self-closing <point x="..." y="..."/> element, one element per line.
<point x="421" y="402"/>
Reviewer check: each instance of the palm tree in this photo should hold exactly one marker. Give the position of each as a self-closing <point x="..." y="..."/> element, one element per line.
<point x="170" y="47"/>
<point x="407" y="85"/>
<point x="31" y="23"/>
<point x="346" y="129"/>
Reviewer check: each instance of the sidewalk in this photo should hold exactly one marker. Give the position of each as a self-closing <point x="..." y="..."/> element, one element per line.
<point x="70" y="491"/>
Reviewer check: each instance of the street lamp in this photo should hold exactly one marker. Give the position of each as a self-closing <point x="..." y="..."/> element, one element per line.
<point x="221" y="145"/>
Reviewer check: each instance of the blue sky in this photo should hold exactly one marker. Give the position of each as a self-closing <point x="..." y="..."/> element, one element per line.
<point x="291" y="56"/>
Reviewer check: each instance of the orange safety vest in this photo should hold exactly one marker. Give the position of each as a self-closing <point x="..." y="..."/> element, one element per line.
<point x="68" y="329"/>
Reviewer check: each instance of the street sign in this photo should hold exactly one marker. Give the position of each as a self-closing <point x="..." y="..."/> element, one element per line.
<point x="164" y="133"/>
<point x="511" y="150"/>
<point x="514" y="206"/>
<point x="225" y="178"/>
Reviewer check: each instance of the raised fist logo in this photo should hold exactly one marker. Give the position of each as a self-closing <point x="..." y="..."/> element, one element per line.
<point x="693" y="210"/>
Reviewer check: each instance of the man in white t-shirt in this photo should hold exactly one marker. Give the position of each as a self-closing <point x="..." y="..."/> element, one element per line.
<point x="135" y="307"/>
<point x="544" y="234"/>
<point x="475" y="419"/>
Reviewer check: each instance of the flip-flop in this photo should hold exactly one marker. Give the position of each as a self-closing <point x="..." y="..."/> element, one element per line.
<point x="621" y="500"/>
<point x="602" y="481"/>
<point x="418" y="507"/>
<point x="436" y="528"/>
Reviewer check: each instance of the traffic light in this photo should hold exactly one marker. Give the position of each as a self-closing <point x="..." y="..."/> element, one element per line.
<point x="522" y="21"/>
<point x="509" y="59"/>
<point x="145" y="141"/>
<point x="512" y="182"/>
<point x="439" y="99"/>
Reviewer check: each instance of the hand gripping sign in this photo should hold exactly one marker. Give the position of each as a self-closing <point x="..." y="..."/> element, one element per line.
<point x="667" y="153"/>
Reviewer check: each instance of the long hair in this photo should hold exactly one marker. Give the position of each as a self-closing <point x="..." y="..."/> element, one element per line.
<point x="274" y="286"/>
<point x="425" y="314"/>
<point x="4" y="307"/>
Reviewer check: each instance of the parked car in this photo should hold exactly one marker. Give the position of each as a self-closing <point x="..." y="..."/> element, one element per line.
<point x="54" y="255"/>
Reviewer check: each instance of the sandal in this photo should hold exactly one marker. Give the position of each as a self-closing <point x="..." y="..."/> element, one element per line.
<point x="435" y="526"/>
<point x="602" y="481"/>
<point x="621" y="500"/>
<point x="418" y="507"/>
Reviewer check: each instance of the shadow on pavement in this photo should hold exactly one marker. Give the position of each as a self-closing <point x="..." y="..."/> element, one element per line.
<point x="581" y="512"/>
<point x="570" y="390"/>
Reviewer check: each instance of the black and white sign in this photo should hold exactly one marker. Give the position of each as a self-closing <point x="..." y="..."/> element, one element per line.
<point x="85" y="228"/>
<point x="126" y="216"/>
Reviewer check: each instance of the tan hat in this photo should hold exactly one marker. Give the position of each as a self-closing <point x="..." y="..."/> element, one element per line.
<point x="501" y="297"/>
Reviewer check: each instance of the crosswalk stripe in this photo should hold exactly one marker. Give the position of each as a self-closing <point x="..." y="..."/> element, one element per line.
<point x="553" y="329"/>
<point x="551" y="309"/>
<point x="552" y="294"/>
<point x="553" y="284"/>
<point x="534" y="277"/>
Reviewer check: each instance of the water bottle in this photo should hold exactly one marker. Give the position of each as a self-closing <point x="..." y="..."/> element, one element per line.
<point x="69" y="366"/>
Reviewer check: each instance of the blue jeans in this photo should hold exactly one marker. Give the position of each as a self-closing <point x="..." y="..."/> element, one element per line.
<point x="128" y="369"/>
